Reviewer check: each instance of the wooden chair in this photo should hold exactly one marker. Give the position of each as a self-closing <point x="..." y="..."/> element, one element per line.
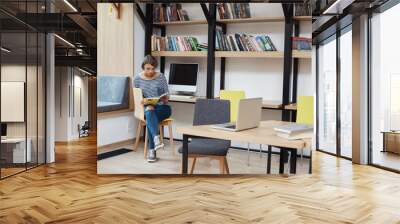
<point x="210" y="111"/>
<point x="139" y="114"/>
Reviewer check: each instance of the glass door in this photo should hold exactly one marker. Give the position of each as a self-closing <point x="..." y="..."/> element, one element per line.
<point x="327" y="96"/>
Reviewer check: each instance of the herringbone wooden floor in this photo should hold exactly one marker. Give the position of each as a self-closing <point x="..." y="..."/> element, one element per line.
<point x="70" y="191"/>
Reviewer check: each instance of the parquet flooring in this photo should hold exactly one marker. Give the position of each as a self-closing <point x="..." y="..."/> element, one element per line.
<point x="70" y="191"/>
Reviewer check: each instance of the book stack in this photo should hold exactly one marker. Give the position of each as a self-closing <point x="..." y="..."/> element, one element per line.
<point x="294" y="131"/>
<point x="243" y="42"/>
<point x="174" y="43"/>
<point x="302" y="43"/>
<point x="169" y="13"/>
<point x="233" y="10"/>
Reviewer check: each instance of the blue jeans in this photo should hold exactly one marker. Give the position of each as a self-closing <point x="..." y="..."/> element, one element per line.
<point x="153" y="118"/>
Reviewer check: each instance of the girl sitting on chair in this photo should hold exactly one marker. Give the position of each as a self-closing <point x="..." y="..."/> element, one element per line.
<point x="153" y="85"/>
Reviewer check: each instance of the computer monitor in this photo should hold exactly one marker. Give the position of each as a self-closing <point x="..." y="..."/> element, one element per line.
<point x="3" y="130"/>
<point x="183" y="77"/>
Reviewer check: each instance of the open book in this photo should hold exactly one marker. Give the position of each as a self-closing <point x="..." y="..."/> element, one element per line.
<point x="153" y="100"/>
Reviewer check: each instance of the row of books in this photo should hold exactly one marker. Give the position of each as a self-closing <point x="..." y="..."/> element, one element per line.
<point x="169" y="13"/>
<point x="243" y="42"/>
<point x="233" y="10"/>
<point x="176" y="43"/>
<point x="301" y="43"/>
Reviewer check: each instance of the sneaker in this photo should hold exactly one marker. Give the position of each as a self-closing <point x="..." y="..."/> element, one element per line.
<point x="151" y="156"/>
<point x="157" y="143"/>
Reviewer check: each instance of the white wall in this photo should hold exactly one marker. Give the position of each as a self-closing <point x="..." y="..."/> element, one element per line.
<point x="258" y="77"/>
<point x="67" y="112"/>
<point x="116" y="55"/>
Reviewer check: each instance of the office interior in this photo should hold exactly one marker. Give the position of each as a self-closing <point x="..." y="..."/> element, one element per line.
<point x="53" y="54"/>
<point x="255" y="75"/>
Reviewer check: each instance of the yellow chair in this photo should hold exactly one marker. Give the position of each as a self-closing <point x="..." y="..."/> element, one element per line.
<point x="139" y="114"/>
<point x="305" y="110"/>
<point x="305" y="114"/>
<point x="234" y="96"/>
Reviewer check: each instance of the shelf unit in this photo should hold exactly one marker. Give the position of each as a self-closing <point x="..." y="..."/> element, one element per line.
<point x="233" y="54"/>
<point x="230" y="21"/>
<point x="290" y="57"/>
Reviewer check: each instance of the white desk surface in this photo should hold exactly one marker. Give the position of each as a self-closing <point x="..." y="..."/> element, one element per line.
<point x="264" y="134"/>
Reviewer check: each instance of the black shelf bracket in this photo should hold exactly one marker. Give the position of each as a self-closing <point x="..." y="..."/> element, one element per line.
<point x="140" y="13"/>
<point x="205" y="11"/>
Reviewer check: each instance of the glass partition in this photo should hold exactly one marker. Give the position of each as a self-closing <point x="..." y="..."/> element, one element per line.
<point x="327" y="96"/>
<point x="22" y="66"/>
<point x="346" y="93"/>
<point x="385" y="89"/>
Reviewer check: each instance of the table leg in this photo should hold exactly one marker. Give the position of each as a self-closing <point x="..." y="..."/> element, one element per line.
<point x="310" y="166"/>
<point x="282" y="160"/>
<point x="269" y="159"/>
<point x="293" y="160"/>
<point x="185" y="154"/>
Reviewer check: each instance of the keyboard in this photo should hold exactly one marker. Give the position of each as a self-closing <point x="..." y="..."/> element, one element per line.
<point x="183" y="97"/>
<point x="227" y="125"/>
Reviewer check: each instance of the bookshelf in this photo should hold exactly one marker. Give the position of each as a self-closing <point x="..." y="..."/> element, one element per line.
<point x="179" y="53"/>
<point x="232" y="54"/>
<point x="233" y="21"/>
<point x="289" y="56"/>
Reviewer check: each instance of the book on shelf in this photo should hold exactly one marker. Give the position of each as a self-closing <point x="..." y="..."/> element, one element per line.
<point x="169" y="13"/>
<point x="233" y="10"/>
<point x="243" y="42"/>
<point x="302" y="9"/>
<point x="175" y="43"/>
<point x="301" y="43"/>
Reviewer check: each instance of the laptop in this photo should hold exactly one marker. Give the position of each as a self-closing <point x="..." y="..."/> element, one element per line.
<point x="249" y="116"/>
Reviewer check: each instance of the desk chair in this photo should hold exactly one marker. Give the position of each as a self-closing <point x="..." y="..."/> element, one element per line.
<point x="210" y="111"/>
<point x="139" y="114"/>
<point x="305" y="113"/>
<point x="234" y="96"/>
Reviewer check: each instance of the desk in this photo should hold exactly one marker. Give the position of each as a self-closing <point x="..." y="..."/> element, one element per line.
<point x="18" y="152"/>
<point x="264" y="134"/>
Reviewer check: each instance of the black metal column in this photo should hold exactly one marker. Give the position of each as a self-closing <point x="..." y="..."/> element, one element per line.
<point x="162" y="58"/>
<point x="148" y="29"/>
<point x="211" y="50"/>
<point x="338" y="123"/>
<point x="295" y="73"/>
<point x="287" y="58"/>
<point x="222" y="68"/>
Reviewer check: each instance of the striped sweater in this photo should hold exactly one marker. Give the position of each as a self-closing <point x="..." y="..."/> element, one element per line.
<point x="151" y="88"/>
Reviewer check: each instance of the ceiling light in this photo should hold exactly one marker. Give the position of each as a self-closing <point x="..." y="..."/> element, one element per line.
<point x="70" y="5"/>
<point x="64" y="40"/>
<point x="5" y="50"/>
<point x="84" y="71"/>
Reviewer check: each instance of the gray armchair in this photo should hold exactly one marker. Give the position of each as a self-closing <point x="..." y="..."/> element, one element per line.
<point x="210" y="111"/>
